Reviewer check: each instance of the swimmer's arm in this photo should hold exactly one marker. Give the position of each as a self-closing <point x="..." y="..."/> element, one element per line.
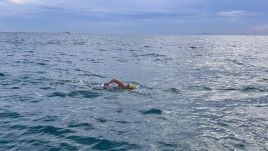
<point x="119" y="83"/>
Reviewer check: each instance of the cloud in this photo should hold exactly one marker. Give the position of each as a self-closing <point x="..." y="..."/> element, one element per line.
<point x="12" y="10"/>
<point x="233" y="13"/>
<point x="20" y="1"/>
<point x="181" y="15"/>
<point x="98" y="9"/>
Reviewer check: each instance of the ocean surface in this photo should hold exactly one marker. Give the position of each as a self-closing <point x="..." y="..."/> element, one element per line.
<point x="194" y="92"/>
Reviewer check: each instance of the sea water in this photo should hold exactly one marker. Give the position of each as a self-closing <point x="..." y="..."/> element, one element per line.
<point x="194" y="92"/>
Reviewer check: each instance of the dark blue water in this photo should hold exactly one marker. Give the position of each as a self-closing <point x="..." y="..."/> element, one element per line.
<point x="194" y="92"/>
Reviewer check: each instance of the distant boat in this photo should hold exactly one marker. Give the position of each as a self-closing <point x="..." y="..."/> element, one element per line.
<point x="67" y="32"/>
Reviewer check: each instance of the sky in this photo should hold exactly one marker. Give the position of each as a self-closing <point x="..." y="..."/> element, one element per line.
<point x="135" y="16"/>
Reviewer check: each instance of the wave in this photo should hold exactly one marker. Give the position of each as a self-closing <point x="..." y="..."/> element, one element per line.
<point x="195" y="47"/>
<point x="41" y="63"/>
<point x="200" y="88"/>
<point x="168" y="146"/>
<point x="241" y="88"/>
<point x="235" y="61"/>
<point x="10" y="114"/>
<point x="15" y="88"/>
<point x="132" y="50"/>
<point x="102" y="120"/>
<point x="151" y="55"/>
<point x="51" y="130"/>
<point x="47" y="119"/>
<point x="122" y="60"/>
<point x="264" y="79"/>
<point x="85" y="126"/>
<point x="80" y="43"/>
<point x="92" y="75"/>
<point x="46" y="88"/>
<point x="251" y="88"/>
<point x="76" y="94"/>
<point x="244" y="89"/>
<point x="54" y="42"/>
<point x="102" y="50"/>
<point x="102" y="144"/>
<point x="173" y="90"/>
<point x="158" y="57"/>
<point x="152" y="111"/>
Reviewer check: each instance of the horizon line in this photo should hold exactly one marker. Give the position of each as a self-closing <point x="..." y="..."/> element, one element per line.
<point x="193" y="34"/>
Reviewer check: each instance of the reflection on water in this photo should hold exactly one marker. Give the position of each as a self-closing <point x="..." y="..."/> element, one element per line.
<point x="194" y="92"/>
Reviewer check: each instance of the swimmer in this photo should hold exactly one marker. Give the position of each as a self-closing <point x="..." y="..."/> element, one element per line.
<point x="121" y="85"/>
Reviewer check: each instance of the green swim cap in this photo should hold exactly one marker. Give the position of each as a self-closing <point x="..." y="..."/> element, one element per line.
<point x="131" y="86"/>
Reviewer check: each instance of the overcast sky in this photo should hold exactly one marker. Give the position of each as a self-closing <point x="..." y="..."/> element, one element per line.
<point x="136" y="16"/>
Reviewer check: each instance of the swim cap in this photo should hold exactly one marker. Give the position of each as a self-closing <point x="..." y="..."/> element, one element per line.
<point x="131" y="86"/>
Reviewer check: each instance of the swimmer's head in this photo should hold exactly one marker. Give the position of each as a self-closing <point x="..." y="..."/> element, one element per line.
<point x="131" y="86"/>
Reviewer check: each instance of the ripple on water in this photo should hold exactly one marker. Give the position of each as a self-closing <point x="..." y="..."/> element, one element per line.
<point x="47" y="119"/>
<point x="251" y="89"/>
<point x="102" y="50"/>
<point x="76" y="94"/>
<point x="79" y="43"/>
<point x="173" y="90"/>
<point x="122" y="60"/>
<point x="84" y="94"/>
<point x="9" y="114"/>
<point x="233" y="143"/>
<point x="4" y="142"/>
<point x="194" y="47"/>
<point x="19" y="127"/>
<point x="54" y="42"/>
<point x="122" y="122"/>
<point x="41" y="63"/>
<point x="58" y="94"/>
<point x="46" y="88"/>
<point x="152" y="55"/>
<point x="168" y="146"/>
<point x="234" y="61"/>
<point x="92" y="75"/>
<point x="200" y="88"/>
<point x="50" y="130"/>
<point x="15" y="88"/>
<point x="101" y="120"/>
<point x="65" y="146"/>
<point x="152" y="111"/>
<point x="85" y="126"/>
<point x="40" y="145"/>
<point x="229" y="89"/>
<point x="2" y="74"/>
<point x="264" y="79"/>
<point x="102" y="144"/>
